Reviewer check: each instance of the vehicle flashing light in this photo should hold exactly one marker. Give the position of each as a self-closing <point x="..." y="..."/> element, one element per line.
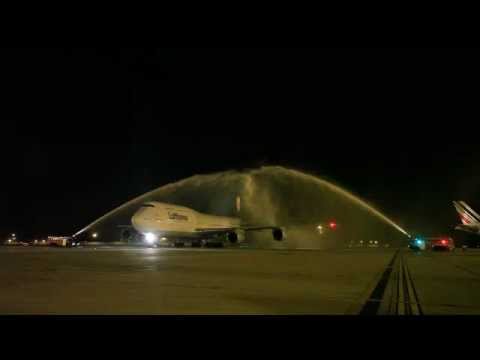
<point x="320" y="229"/>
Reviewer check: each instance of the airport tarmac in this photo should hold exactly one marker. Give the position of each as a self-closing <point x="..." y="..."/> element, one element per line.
<point x="228" y="281"/>
<point x="446" y="282"/>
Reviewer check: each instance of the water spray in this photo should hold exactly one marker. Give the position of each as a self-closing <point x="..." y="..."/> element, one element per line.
<point x="251" y="193"/>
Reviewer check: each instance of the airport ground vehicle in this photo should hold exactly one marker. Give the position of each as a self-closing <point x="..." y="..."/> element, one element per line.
<point x="61" y="241"/>
<point x="417" y="244"/>
<point x="441" y="244"/>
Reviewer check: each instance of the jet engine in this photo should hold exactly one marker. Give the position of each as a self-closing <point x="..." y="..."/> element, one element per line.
<point x="236" y="236"/>
<point x="278" y="234"/>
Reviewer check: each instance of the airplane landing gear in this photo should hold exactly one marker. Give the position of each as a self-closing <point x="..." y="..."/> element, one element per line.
<point x="214" y="244"/>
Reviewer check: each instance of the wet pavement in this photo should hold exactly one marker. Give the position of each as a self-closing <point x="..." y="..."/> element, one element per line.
<point x="123" y="280"/>
<point x="187" y="281"/>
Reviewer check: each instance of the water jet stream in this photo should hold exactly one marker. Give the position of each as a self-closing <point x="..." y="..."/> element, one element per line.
<point x="270" y="195"/>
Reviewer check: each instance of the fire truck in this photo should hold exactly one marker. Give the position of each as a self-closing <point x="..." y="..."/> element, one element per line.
<point x="60" y="241"/>
<point x="442" y="243"/>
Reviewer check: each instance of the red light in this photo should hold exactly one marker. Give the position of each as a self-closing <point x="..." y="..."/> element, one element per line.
<point x="444" y="242"/>
<point x="332" y="225"/>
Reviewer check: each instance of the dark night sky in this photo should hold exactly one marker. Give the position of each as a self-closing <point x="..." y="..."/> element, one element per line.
<point x="84" y="130"/>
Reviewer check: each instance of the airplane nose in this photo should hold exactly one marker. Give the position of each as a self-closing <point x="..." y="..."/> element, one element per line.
<point x="141" y="220"/>
<point x="136" y="220"/>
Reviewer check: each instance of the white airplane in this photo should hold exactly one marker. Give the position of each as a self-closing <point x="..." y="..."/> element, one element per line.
<point x="161" y="222"/>
<point x="470" y="219"/>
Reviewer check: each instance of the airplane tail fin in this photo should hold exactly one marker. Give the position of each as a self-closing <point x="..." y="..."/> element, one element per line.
<point x="467" y="215"/>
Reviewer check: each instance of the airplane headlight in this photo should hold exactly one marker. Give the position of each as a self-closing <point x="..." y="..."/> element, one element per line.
<point x="150" y="238"/>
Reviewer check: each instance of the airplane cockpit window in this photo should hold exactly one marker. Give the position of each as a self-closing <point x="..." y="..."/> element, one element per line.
<point x="148" y="205"/>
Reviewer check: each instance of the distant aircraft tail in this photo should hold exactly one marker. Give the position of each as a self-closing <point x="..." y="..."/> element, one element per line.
<point x="467" y="215"/>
